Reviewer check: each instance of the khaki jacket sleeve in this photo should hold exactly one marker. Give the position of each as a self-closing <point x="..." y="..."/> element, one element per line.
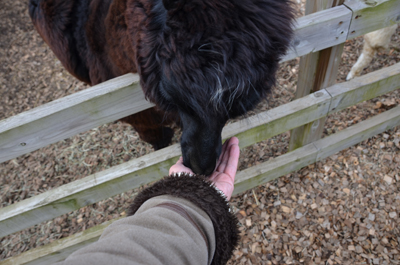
<point x="165" y="230"/>
<point x="178" y="220"/>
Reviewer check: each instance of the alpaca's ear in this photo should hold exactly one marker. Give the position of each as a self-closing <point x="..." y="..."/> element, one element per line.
<point x="170" y="4"/>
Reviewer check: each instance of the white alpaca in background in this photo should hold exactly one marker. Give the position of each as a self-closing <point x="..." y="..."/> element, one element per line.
<point x="373" y="42"/>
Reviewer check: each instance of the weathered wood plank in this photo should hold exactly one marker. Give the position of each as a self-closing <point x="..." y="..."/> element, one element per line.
<point x="153" y="166"/>
<point x="278" y="120"/>
<point x="318" y="5"/>
<point x="331" y="27"/>
<point x="364" y="87"/>
<point x="308" y="154"/>
<point x="70" y="115"/>
<point x="319" y="31"/>
<point x="245" y="180"/>
<point x="358" y="133"/>
<point x="372" y="15"/>
<point x="274" y="168"/>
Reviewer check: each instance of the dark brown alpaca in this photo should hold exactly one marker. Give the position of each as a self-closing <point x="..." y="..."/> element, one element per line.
<point x="202" y="61"/>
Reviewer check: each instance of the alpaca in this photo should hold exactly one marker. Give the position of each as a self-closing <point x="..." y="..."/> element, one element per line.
<point x="201" y="62"/>
<point x="373" y="42"/>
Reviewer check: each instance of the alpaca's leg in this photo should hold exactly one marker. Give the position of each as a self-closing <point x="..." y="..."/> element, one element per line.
<point x="380" y="38"/>
<point x="150" y="124"/>
<point x="363" y="61"/>
<point x="373" y="42"/>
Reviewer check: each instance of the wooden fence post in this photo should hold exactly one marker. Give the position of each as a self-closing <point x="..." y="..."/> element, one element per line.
<point x="317" y="71"/>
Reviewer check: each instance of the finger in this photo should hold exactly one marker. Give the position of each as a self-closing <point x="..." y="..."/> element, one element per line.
<point x="234" y="140"/>
<point x="233" y="161"/>
<point x="223" y="151"/>
<point x="224" y="158"/>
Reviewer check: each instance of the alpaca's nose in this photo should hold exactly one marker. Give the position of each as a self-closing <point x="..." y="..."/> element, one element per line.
<point x="202" y="162"/>
<point x="201" y="166"/>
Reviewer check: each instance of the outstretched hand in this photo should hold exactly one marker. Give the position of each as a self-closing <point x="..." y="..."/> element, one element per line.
<point x="224" y="174"/>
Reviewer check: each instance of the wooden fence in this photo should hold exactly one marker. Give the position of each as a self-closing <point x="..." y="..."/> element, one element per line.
<point x="319" y="39"/>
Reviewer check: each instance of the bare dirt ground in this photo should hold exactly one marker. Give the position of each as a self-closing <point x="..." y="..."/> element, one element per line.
<point x="342" y="210"/>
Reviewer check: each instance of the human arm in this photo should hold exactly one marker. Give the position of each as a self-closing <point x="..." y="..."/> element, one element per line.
<point x="181" y="219"/>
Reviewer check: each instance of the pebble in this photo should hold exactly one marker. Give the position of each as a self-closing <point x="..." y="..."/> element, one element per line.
<point x="371" y="216"/>
<point x="299" y="215"/>
<point x="388" y="179"/>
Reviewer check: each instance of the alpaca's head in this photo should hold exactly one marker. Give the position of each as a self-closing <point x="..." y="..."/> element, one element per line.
<point x="211" y="61"/>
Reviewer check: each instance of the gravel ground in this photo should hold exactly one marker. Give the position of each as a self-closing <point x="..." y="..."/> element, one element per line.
<point x="342" y="210"/>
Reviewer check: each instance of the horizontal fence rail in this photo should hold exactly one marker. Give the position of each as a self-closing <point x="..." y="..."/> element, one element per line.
<point x="122" y="96"/>
<point x="320" y="30"/>
<point x="318" y="150"/>
<point x="372" y="15"/>
<point x="68" y="116"/>
<point x="151" y="167"/>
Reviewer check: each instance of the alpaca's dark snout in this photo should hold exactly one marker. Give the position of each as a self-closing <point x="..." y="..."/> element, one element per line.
<point x="201" y="144"/>
<point x="201" y="164"/>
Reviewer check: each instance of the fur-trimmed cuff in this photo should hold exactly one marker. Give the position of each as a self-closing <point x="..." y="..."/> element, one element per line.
<point x="203" y="194"/>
